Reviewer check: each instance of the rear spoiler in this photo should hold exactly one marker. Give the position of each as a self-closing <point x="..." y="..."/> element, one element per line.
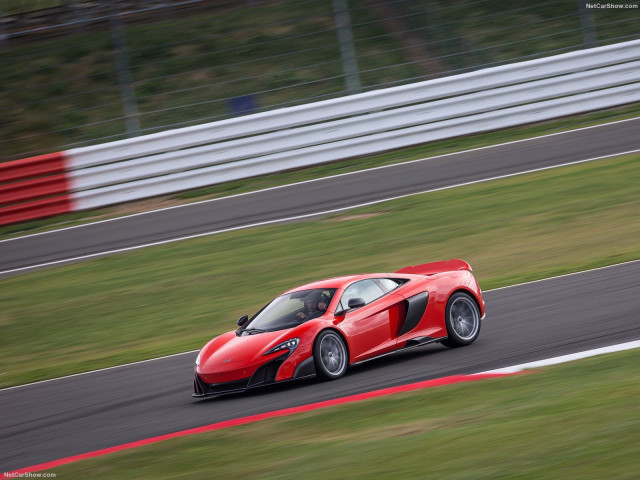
<point x="436" y="267"/>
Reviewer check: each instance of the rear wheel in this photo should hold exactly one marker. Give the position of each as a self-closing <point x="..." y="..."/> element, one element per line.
<point x="330" y="355"/>
<point x="462" y="318"/>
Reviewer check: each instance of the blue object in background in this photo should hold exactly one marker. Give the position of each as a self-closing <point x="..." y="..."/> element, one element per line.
<point x="243" y="105"/>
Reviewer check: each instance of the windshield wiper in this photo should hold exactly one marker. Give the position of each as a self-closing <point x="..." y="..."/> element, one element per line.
<point x="252" y="331"/>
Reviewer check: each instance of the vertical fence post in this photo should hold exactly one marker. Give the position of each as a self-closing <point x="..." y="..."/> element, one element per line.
<point x="589" y="35"/>
<point x="3" y="34"/>
<point x="79" y="14"/>
<point x="127" y="94"/>
<point x="347" y="49"/>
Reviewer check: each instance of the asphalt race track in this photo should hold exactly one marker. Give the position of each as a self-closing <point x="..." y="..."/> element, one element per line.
<point x="50" y="420"/>
<point x="54" y="419"/>
<point x="321" y="195"/>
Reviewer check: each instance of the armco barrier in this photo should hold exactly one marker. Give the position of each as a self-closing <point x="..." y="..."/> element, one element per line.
<point x="346" y="128"/>
<point x="364" y="103"/>
<point x="33" y="188"/>
<point x="45" y="207"/>
<point x="330" y="130"/>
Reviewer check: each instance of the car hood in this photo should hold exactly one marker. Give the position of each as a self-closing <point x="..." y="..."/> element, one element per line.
<point x="229" y="351"/>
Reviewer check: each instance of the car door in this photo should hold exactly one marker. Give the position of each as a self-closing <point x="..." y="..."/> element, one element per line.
<point x="371" y="328"/>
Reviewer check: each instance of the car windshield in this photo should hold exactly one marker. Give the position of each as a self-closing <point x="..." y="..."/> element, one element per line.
<point x="290" y="310"/>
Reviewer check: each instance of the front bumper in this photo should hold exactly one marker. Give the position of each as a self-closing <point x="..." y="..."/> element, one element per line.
<point x="264" y="375"/>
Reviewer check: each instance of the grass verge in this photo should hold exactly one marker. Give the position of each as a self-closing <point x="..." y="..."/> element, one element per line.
<point x="173" y="298"/>
<point x="578" y="421"/>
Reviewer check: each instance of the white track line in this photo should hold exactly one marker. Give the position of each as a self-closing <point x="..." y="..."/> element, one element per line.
<point x="566" y="358"/>
<point x="563" y="275"/>
<point x="99" y="370"/>
<point x="194" y="351"/>
<point x="512" y="142"/>
<point x="306" y="216"/>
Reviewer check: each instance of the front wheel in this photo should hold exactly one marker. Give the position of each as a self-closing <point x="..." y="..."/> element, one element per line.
<point x="330" y="355"/>
<point x="462" y="318"/>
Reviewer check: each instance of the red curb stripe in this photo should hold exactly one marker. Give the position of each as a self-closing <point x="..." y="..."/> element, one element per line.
<point x="263" y="416"/>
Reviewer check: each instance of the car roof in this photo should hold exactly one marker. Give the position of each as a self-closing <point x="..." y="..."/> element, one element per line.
<point x="338" y="282"/>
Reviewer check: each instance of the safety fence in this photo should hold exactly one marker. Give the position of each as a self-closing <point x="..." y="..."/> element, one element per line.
<point x="315" y="133"/>
<point x="75" y="73"/>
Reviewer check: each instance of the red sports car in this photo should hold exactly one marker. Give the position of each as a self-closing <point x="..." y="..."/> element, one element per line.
<point x="322" y="328"/>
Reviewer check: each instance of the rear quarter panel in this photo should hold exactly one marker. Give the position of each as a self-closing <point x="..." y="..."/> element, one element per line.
<point x="440" y="287"/>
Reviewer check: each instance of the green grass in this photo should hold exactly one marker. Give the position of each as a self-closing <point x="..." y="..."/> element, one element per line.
<point x="334" y="168"/>
<point x="574" y="421"/>
<point x="173" y="298"/>
<point x="184" y="68"/>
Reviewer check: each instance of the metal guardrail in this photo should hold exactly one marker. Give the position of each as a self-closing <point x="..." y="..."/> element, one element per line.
<point x="356" y="125"/>
<point x="350" y="106"/>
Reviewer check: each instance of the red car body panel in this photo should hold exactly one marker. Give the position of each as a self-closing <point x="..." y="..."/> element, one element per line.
<point x="236" y="362"/>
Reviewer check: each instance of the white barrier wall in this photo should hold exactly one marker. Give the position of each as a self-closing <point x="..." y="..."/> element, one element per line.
<point x="356" y="125"/>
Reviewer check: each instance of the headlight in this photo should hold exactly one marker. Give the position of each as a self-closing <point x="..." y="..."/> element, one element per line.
<point x="198" y="358"/>
<point x="290" y="345"/>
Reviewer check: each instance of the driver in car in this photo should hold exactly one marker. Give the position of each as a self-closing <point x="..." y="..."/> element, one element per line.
<point x="315" y="304"/>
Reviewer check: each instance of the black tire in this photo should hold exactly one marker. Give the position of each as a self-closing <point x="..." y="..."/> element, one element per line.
<point x="330" y="355"/>
<point x="462" y="318"/>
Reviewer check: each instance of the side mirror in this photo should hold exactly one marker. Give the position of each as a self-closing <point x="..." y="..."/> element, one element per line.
<point x="356" y="302"/>
<point x="242" y="320"/>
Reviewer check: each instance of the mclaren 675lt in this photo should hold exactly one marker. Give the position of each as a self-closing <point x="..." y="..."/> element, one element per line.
<point x="322" y="328"/>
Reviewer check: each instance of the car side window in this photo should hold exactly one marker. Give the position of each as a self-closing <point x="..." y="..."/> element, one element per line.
<point x="387" y="284"/>
<point x="365" y="289"/>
